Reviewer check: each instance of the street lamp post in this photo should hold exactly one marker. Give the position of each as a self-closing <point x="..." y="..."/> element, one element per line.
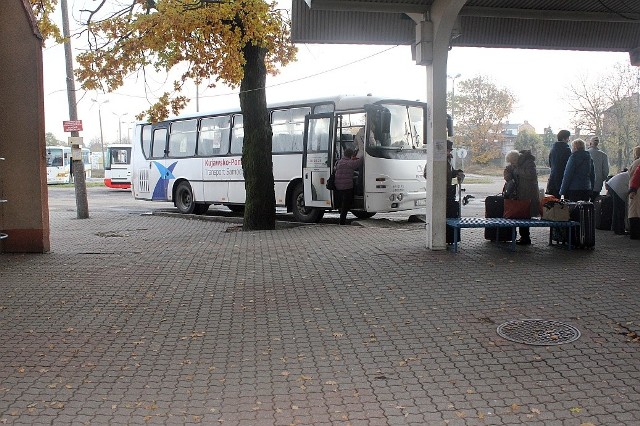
<point x="453" y="100"/>
<point x="119" y="125"/>
<point x="453" y="93"/>
<point x="101" y="135"/>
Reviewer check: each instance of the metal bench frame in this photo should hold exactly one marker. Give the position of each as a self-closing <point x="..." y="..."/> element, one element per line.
<point x="489" y="222"/>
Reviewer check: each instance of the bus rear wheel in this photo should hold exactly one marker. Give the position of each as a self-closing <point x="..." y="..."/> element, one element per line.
<point x="301" y="212"/>
<point x="184" y="199"/>
<point x="361" y="214"/>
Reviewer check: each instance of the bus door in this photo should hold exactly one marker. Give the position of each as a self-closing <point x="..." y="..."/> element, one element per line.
<point x="316" y="159"/>
<point x="160" y="171"/>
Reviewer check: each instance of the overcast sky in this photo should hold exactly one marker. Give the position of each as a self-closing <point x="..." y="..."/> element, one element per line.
<point x="539" y="80"/>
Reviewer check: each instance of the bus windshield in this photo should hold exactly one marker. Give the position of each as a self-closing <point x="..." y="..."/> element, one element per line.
<point x="398" y="130"/>
<point x="55" y="157"/>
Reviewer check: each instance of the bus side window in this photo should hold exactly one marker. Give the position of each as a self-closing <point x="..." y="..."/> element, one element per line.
<point x="237" y="135"/>
<point x="205" y="147"/>
<point x="236" y="144"/>
<point x="146" y="140"/>
<point x="182" y="139"/>
<point x="159" y="142"/>
<point x="297" y="142"/>
<point x="282" y="142"/>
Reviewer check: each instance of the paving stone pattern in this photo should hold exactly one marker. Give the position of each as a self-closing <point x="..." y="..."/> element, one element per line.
<point x="149" y="319"/>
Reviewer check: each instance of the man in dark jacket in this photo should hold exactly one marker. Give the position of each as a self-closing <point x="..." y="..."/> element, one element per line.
<point x="558" y="158"/>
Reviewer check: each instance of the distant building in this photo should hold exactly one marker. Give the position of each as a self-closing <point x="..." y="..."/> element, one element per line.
<point x="510" y="132"/>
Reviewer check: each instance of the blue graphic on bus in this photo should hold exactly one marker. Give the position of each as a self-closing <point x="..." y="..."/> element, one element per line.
<point x="166" y="173"/>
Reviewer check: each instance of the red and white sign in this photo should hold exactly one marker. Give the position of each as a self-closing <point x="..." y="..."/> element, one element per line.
<point x="72" y="125"/>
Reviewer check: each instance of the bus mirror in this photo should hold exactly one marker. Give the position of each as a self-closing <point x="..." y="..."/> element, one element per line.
<point x="449" y="125"/>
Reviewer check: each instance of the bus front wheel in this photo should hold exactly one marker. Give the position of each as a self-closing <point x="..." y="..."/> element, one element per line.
<point x="301" y="212"/>
<point x="184" y="199"/>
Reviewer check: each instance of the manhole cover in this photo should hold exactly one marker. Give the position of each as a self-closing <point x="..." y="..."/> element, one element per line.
<point x="538" y="332"/>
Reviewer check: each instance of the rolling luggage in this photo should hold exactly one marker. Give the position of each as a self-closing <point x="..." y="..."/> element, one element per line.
<point x="494" y="207"/>
<point x="603" y="207"/>
<point x="584" y="234"/>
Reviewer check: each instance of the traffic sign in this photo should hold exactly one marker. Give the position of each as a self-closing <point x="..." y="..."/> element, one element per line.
<point x="72" y="125"/>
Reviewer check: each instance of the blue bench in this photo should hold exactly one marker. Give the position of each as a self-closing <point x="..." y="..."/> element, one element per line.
<point x="497" y="222"/>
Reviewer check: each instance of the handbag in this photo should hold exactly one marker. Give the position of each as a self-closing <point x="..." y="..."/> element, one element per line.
<point x="517" y="209"/>
<point x="556" y="211"/>
<point x="331" y="182"/>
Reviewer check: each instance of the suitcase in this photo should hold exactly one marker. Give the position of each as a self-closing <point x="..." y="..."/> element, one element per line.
<point x="603" y="210"/>
<point x="494" y="207"/>
<point x="584" y="234"/>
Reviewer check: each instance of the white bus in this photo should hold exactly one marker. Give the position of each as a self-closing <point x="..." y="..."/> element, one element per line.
<point x="59" y="164"/>
<point x="117" y="168"/>
<point x="195" y="161"/>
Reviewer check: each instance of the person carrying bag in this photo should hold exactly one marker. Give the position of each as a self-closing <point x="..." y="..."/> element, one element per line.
<point x="521" y="190"/>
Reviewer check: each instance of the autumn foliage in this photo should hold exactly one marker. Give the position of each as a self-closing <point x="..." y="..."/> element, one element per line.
<point x="205" y="38"/>
<point x="43" y="10"/>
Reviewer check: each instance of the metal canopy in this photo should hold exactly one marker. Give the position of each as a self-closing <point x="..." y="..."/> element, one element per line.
<point x="596" y="25"/>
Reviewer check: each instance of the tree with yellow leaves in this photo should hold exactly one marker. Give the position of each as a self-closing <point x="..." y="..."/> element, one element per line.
<point x="42" y="10"/>
<point x="232" y="41"/>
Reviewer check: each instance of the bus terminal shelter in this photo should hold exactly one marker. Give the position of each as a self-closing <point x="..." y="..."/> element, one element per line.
<point x="433" y="27"/>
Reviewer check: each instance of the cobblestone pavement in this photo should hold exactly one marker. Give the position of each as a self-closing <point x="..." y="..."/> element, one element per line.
<point x="150" y="319"/>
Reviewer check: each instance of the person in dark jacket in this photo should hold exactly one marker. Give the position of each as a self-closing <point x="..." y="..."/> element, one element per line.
<point x="579" y="175"/>
<point x="521" y="168"/>
<point x="452" y="173"/>
<point x="558" y="158"/>
<point x="344" y="182"/>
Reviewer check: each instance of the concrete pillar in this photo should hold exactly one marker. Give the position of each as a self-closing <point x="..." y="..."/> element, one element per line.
<point x="433" y="36"/>
<point x="23" y="175"/>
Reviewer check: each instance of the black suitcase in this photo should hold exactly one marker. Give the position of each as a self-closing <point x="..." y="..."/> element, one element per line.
<point x="494" y="207"/>
<point x="603" y="207"/>
<point x="584" y="234"/>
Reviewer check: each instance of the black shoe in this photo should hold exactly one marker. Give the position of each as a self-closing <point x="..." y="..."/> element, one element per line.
<point x="523" y="242"/>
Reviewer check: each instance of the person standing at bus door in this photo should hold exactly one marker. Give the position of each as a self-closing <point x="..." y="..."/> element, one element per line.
<point x="558" y="157"/>
<point x="345" y="168"/>
<point x="359" y="137"/>
<point x="600" y="164"/>
<point x="579" y="174"/>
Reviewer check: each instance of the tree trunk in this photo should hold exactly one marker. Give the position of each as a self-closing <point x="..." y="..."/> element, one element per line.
<point x="257" y="163"/>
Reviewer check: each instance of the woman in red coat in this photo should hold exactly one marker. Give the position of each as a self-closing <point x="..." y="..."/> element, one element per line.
<point x="344" y="182"/>
<point x="634" y="205"/>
